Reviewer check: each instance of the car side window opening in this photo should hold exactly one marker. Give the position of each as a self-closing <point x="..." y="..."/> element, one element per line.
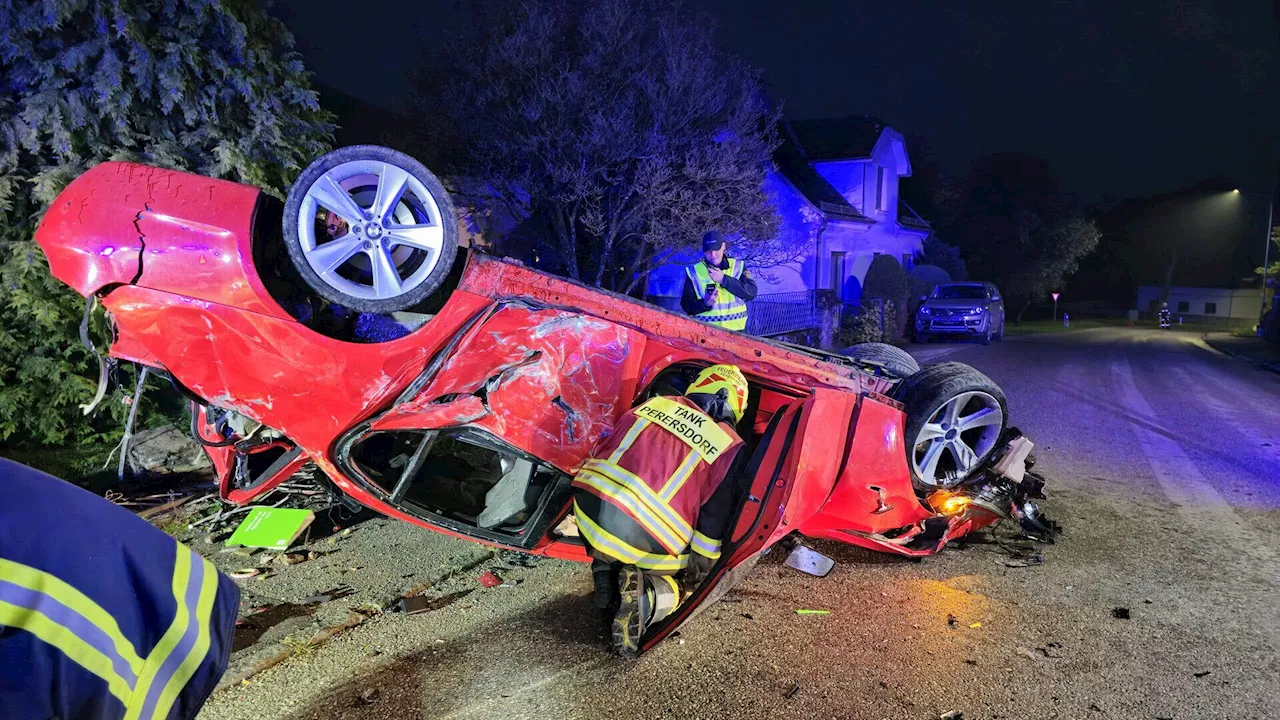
<point x="458" y="474"/>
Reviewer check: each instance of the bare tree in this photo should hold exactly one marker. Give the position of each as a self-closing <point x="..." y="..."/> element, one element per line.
<point x="619" y="124"/>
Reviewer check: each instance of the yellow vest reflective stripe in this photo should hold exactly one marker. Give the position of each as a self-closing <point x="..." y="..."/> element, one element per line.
<point x="613" y="546"/>
<point x="58" y="614"/>
<point x="729" y="311"/>
<point x="703" y="545"/>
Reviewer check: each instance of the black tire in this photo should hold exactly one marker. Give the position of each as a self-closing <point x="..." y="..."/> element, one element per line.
<point x="999" y="336"/>
<point x="895" y="361"/>
<point x="986" y="337"/>
<point x="927" y="391"/>
<point x="448" y="222"/>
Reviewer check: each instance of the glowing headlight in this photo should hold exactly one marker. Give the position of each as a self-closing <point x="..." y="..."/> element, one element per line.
<point x="925" y="311"/>
<point x="977" y="311"/>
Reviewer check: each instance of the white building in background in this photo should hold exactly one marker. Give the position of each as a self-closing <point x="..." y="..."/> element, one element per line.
<point x="837" y="180"/>
<point x="1240" y="306"/>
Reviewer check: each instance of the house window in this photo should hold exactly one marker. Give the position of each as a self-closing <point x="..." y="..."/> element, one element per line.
<point x="1211" y="308"/>
<point x="1184" y="306"/>
<point x="880" y="199"/>
<point x="837" y="274"/>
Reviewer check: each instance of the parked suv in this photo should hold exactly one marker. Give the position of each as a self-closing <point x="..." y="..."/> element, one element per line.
<point x="971" y="309"/>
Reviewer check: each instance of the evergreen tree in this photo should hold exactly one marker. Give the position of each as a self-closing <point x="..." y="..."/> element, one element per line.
<point x="209" y="86"/>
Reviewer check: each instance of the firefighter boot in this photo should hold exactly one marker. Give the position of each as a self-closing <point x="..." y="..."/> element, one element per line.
<point x="645" y="599"/>
<point x="634" y="608"/>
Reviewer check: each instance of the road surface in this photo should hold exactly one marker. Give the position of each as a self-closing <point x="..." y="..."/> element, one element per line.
<point x="1164" y="466"/>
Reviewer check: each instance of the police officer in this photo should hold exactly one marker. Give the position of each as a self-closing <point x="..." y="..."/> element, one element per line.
<point x="656" y="499"/>
<point x="101" y="614"/>
<point x="717" y="287"/>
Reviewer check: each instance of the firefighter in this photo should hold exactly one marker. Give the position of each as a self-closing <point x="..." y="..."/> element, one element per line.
<point x="717" y="287"/>
<point x="101" y="614"/>
<point x="1164" y="316"/>
<point x="655" y="500"/>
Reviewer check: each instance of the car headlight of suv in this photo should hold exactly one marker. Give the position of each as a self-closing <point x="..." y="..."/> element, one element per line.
<point x="977" y="311"/>
<point x="925" y="311"/>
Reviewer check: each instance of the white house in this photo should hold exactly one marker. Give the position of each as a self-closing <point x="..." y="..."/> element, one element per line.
<point x="1203" y="304"/>
<point x="837" y="184"/>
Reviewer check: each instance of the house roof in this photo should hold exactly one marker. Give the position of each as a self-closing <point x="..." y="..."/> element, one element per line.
<point x="795" y="167"/>
<point x="843" y="138"/>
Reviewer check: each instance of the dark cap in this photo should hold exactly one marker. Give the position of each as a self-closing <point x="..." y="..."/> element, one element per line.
<point x="713" y="240"/>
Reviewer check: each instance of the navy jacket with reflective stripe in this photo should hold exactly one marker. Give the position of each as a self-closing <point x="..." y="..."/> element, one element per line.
<point x="119" y="563"/>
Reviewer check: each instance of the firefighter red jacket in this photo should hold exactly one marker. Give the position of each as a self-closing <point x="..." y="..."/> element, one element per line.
<point x="655" y="487"/>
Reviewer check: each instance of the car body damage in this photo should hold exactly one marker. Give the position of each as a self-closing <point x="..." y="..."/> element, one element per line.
<point x="550" y="382"/>
<point x="473" y="421"/>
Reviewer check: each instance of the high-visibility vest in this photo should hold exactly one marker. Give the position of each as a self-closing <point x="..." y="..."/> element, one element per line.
<point x="639" y="495"/>
<point x="729" y="310"/>
<point x="101" y="614"/>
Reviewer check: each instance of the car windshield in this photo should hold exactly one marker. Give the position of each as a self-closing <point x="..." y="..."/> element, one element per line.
<point x="960" y="292"/>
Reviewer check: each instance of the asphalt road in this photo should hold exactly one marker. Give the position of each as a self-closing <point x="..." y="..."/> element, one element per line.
<point x="1164" y="465"/>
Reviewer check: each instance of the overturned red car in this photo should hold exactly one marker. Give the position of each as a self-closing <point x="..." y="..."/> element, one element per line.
<point x="461" y="392"/>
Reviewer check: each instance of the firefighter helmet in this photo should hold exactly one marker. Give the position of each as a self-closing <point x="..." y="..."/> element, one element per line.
<point x="726" y="377"/>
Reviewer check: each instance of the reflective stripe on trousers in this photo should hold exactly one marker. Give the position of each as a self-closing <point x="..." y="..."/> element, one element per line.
<point x="63" y="617"/>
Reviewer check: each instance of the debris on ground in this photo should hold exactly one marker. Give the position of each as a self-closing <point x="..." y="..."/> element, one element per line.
<point x="418" y="604"/>
<point x="489" y="579"/>
<point x="975" y="625"/>
<point x="244" y="573"/>
<point x="951" y="715"/>
<point x="951" y="620"/>
<point x="1120" y="613"/>
<point x="748" y="616"/>
<point x="795" y="688"/>
<point x="269" y="527"/>
<point x="1023" y="561"/>
<point x="370" y="696"/>
<point x="1203" y="673"/>
<point x="518" y="559"/>
<point x="804" y="611"/>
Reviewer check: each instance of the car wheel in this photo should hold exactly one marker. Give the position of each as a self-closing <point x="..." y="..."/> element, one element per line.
<point x="1000" y="333"/>
<point x="895" y="361"/>
<point x="986" y="337"/>
<point x="394" y="238"/>
<point x="955" y="416"/>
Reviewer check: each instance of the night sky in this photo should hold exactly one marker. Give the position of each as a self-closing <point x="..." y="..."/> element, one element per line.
<point x="1121" y="103"/>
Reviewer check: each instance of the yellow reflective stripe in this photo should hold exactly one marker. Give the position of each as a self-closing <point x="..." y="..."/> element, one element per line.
<point x="181" y="573"/>
<point x="615" y="547"/>
<point x="706" y="546"/>
<point x="675" y="586"/>
<point x="69" y="644"/>
<point x="42" y="582"/>
<point x="681" y="475"/>
<point x="204" y="610"/>
<point x="629" y="480"/>
<point x="628" y="440"/>
<point x="627" y="500"/>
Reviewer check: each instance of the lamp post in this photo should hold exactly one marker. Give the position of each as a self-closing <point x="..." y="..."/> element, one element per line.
<point x="1266" y="261"/>
<point x="1266" y="265"/>
<point x="1055" y="306"/>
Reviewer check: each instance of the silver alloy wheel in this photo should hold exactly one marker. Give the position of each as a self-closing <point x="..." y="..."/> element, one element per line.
<point x="961" y="432"/>
<point x="394" y="230"/>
